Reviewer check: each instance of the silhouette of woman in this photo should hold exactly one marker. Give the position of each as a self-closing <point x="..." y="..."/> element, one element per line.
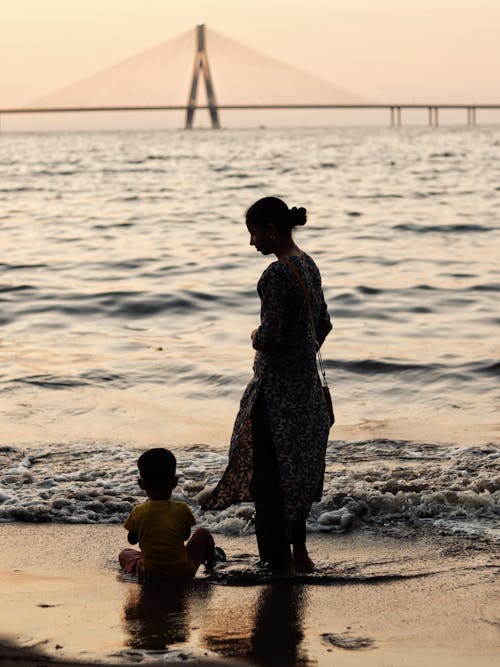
<point x="277" y="452"/>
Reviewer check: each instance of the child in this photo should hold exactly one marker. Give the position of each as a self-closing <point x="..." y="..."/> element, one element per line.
<point x="161" y="526"/>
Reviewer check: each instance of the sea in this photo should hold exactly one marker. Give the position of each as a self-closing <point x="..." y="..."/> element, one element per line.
<point x="128" y="294"/>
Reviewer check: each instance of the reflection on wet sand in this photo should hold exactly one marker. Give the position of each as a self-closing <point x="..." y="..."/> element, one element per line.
<point x="277" y="634"/>
<point x="265" y="628"/>
<point x="157" y="615"/>
<point x="275" y="638"/>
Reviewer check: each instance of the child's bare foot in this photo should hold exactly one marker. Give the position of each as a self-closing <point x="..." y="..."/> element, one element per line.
<point x="218" y="556"/>
<point x="301" y="559"/>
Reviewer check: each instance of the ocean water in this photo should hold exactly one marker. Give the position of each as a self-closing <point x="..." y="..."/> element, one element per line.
<point x="127" y="290"/>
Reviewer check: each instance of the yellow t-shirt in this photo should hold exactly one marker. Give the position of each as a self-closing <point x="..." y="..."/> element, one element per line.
<point x="161" y="526"/>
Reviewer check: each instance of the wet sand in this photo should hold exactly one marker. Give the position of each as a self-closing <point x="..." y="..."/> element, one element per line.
<point x="375" y="600"/>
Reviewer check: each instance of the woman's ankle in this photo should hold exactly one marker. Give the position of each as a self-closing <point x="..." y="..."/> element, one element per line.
<point x="301" y="559"/>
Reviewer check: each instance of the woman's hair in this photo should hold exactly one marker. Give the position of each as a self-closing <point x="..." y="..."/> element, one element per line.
<point x="273" y="209"/>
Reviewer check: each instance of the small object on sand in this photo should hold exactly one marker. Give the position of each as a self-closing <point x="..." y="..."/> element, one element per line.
<point x="220" y="555"/>
<point x="347" y="642"/>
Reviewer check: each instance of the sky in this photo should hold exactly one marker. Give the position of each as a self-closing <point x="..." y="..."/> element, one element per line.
<point x="385" y="50"/>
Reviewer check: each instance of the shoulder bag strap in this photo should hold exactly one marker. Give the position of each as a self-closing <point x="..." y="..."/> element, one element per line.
<point x="307" y="298"/>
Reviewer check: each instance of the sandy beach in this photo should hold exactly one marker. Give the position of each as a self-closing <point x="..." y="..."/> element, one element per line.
<point x="375" y="600"/>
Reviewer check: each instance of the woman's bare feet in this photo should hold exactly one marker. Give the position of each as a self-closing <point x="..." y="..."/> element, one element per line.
<point x="279" y="568"/>
<point x="283" y="569"/>
<point x="301" y="559"/>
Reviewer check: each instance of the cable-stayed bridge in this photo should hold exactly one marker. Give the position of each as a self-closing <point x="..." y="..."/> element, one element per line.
<point x="232" y="76"/>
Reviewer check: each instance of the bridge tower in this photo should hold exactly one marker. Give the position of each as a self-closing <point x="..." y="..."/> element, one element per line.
<point x="201" y="64"/>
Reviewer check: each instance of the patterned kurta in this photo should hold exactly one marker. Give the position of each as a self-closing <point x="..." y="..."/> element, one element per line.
<point x="285" y="371"/>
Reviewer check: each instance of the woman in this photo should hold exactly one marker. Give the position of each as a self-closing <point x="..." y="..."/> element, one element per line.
<point x="278" y="445"/>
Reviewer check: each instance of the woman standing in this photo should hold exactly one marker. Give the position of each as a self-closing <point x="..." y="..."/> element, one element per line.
<point x="277" y="453"/>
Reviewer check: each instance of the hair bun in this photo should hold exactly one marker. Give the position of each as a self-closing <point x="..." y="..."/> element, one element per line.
<point x="298" y="216"/>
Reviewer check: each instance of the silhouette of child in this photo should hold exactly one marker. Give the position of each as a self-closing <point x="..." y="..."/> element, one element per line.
<point x="161" y="526"/>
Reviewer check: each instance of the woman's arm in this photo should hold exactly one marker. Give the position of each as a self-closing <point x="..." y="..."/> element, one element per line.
<point x="324" y="325"/>
<point x="272" y="289"/>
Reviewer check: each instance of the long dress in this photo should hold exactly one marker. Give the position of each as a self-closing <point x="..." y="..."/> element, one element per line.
<point x="285" y="372"/>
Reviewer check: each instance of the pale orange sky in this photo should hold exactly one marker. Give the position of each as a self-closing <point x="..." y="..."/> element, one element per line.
<point x="385" y="50"/>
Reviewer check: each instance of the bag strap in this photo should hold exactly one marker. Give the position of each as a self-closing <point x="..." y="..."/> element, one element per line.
<point x="307" y="298"/>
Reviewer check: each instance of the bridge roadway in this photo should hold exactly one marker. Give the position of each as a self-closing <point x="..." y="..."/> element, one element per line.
<point x="395" y="109"/>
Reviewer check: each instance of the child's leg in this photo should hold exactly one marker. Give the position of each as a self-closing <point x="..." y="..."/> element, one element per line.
<point x="201" y="547"/>
<point x="128" y="559"/>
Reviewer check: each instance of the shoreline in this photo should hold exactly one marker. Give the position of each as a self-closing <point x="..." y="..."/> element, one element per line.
<point x="146" y="428"/>
<point x="374" y="600"/>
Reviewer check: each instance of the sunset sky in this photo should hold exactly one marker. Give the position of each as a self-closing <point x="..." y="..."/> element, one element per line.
<point x="385" y="50"/>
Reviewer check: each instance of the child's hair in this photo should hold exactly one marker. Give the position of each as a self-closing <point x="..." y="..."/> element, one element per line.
<point x="157" y="466"/>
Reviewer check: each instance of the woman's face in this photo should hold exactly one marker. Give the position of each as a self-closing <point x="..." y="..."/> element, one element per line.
<point x="263" y="237"/>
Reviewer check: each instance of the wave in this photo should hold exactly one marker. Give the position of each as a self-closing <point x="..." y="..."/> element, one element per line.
<point x="245" y="186"/>
<point x="21" y="267"/>
<point x="365" y="289"/>
<point x="430" y="193"/>
<point x="51" y="381"/>
<point x="366" y="482"/>
<point x="443" y="229"/>
<point x="489" y="287"/>
<point x="374" y="366"/>
<point x="373" y="291"/>
<point x="446" y="154"/>
<point x="133" y="170"/>
<point x="130" y="305"/>
<point x="152" y="157"/>
<point x="196" y="382"/>
<point x="461" y="371"/>
<point x="16" y="288"/>
<point x="21" y="188"/>
<point x="55" y="172"/>
<point x="487" y="367"/>
<point x="377" y="196"/>
<point x="115" y="225"/>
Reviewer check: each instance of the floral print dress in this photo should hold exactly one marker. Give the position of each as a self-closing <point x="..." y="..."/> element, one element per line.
<point x="285" y="372"/>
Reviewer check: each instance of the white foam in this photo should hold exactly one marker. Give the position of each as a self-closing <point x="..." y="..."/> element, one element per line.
<point x="375" y="481"/>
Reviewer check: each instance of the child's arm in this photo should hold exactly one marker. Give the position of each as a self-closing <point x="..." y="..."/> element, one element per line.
<point x="190" y="521"/>
<point x="130" y="525"/>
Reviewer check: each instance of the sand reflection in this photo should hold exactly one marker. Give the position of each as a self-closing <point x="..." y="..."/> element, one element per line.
<point x="263" y="625"/>
<point x="269" y="634"/>
<point x="158" y="615"/>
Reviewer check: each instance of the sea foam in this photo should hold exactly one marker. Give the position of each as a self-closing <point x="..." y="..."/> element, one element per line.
<point x="448" y="489"/>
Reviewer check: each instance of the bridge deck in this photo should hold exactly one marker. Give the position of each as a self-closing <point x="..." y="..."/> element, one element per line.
<point x="391" y="105"/>
<point x="395" y="109"/>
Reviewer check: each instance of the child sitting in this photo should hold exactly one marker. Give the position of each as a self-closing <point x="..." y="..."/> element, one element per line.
<point x="161" y="526"/>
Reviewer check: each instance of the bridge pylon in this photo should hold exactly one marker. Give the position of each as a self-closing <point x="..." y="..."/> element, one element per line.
<point x="201" y="64"/>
